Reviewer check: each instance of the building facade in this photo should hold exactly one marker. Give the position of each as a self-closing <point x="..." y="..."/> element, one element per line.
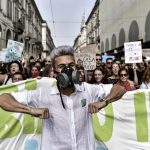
<point x="92" y="25"/>
<point x="88" y="40"/>
<point x="20" y="20"/>
<point x="80" y="40"/>
<point x="123" y="21"/>
<point x="47" y="40"/>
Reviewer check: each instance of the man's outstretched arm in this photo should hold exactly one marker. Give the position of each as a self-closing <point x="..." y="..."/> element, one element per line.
<point x="116" y="93"/>
<point x="8" y="103"/>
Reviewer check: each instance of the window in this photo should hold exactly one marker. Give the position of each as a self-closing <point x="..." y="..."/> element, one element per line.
<point x="9" y="9"/>
<point x="16" y="14"/>
<point x="29" y="12"/>
<point x="0" y="4"/>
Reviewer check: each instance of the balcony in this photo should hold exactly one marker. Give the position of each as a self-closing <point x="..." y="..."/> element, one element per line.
<point x="19" y="27"/>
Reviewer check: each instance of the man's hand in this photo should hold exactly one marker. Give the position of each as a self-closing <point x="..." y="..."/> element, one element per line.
<point x="96" y="106"/>
<point x="42" y="113"/>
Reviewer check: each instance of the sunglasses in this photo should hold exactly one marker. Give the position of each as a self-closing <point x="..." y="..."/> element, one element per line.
<point x="109" y="62"/>
<point x="125" y="75"/>
<point x="98" y="59"/>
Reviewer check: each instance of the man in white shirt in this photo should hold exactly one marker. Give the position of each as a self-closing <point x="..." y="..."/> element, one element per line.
<point x="70" y="105"/>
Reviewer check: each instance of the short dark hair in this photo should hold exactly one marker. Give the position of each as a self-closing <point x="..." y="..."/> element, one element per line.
<point x="109" y="58"/>
<point x="79" y="67"/>
<point x="19" y="73"/>
<point x="16" y="62"/>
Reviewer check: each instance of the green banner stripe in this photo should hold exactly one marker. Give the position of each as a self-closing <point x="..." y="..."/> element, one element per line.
<point x="141" y="117"/>
<point x="104" y="132"/>
<point x="9" y="88"/>
<point x="30" y="84"/>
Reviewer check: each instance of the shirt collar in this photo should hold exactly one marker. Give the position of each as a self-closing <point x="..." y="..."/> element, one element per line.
<point x="78" y="88"/>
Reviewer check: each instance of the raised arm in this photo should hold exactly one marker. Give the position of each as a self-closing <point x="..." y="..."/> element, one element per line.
<point x="8" y="103"/>
<point x="116" y="93"/>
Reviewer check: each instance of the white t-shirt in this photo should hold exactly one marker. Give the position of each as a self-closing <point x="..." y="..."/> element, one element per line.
<point x="145" y="86"/>
<point x="69" y="128"/>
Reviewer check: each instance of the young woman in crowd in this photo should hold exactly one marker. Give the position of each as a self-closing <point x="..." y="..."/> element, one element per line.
<point x="13" y="67"/>
<point x="34" y="72"/>
<point x="114" y="77"/>
<point x="48" y="71"/>
<point x="124" y="80"/>
<point x="98" y="76"/>
<point x="146" y="79"/>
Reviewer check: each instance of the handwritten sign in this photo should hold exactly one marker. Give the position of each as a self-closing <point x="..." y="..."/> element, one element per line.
<point x="14" y="50"/>
<point x="87" y="60"/>
<point x="146" y="52"/>
<point x="133" y="52"/>
<point x="3" y="54"/>
<point x="105" y="57"/>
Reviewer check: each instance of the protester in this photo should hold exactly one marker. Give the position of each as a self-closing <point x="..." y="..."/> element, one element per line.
<point x="47" y="61"/>
<point x="139" y="69"/>
<point x="124" y="80"/>
<point x="34" y="72"/>
<point x="146" y="79"/>
<point x="80" y="69"/>
<point x="48" y="71"/>
<point x="89" y="76"/>
<point x="114" y="77"/>
<point x="13" y="67"/>
<point x="17" y="76"/>
<point x="108" y="66"/>
<point x="98" y="76"/>
<point x="98" y="60"/>
<point x="69" y="126"/>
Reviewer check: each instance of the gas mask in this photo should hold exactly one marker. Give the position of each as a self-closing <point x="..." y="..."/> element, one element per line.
<point x="68" y="77"/>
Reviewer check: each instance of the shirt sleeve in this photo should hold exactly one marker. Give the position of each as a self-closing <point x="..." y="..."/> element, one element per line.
<point x="30" y="98"/>
<point x="98" y="92"/>
<point x="143" y="86"/>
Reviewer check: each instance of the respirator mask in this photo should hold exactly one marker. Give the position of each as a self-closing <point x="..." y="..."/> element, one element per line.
<point x="68" y="77"/>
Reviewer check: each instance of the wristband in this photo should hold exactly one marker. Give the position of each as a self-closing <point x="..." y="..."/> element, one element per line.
<point x="106" y="101"/>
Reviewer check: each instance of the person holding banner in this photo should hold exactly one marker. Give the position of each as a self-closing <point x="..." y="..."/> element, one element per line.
<point x="69" y="104"/>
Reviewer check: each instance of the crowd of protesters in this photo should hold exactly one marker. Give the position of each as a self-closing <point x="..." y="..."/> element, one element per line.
<point x="130" y="76"/>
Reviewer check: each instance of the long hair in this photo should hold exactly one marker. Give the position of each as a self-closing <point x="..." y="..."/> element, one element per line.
<point x="146" y="75"/>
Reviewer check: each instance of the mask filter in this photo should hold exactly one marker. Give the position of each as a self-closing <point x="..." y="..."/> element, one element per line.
<point x="68" y="77"/>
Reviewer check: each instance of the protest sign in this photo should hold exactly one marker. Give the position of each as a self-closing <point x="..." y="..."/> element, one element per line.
<point x="133" y="52"/>
<point x="14" y="50"/>
<point x="87" y="60"/>
<point x="104" y="58"/>
<point x="3" y="54"/>
<point x="146" y="52"/>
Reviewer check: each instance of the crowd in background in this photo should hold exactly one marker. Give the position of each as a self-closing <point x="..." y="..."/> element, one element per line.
<point x="131" y="76"/>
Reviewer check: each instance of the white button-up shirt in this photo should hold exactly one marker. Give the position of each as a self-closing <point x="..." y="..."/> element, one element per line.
<point x="69" y="128"/>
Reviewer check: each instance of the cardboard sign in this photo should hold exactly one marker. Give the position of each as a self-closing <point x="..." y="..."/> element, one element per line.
<point x="133" y="52"/>
<point x="87" y="60"/>
<point x="3" y="54"/>
<point x="104" y="58"/>
<point x="14" y="50"/>
<point x="146" y="52"/>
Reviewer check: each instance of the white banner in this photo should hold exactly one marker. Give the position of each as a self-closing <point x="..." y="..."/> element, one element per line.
<point x="122" y="125"/>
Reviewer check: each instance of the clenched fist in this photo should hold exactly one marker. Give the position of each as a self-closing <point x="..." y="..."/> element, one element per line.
<point x="42" y="113"/>
<point x="96" y="106"/>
